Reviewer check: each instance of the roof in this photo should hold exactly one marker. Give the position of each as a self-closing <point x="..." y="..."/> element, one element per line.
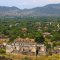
<point x="25" y="40"/>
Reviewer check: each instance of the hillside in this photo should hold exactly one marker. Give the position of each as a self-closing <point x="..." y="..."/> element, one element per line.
<point x="48" y="10"/>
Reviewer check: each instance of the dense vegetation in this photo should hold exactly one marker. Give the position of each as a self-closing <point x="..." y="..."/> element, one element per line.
<point x="31" y="27"/>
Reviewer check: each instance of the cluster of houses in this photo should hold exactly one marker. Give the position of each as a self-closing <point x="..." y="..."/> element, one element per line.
<point x="26" y="46"/>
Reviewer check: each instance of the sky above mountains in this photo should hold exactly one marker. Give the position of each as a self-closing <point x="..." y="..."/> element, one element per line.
<point x="22" y="4"/>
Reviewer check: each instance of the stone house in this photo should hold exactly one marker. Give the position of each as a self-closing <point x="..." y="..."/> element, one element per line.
<point x="26" y="46"/>
<point x="45" y="34"/>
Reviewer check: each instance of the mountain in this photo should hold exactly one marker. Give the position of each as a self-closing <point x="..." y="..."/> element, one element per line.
<point x="48" y="10"/>
<point x="9" y="11"/>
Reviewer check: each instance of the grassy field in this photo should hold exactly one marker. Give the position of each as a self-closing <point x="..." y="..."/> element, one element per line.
<point x="25" y="57"/>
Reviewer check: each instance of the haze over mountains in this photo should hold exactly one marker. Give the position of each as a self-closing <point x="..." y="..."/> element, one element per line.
<point x="48" y="10"/>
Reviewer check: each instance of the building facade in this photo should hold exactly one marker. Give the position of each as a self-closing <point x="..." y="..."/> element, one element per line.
<point x="26" y="46"/>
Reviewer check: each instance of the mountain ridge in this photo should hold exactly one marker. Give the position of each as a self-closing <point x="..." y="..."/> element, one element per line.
<point x="48" y="10"/>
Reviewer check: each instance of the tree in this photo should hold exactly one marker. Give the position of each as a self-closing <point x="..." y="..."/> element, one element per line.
<point x="39" y="38"/>
<point x="56" y="37"/>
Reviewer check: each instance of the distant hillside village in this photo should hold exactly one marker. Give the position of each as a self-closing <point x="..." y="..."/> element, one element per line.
<point x="30" y="36"/>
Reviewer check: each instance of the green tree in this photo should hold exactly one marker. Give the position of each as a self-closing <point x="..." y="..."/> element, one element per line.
<point x="39" y="38"/>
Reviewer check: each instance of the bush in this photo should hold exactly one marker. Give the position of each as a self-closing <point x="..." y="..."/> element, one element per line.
<point x="2" y="51"/>
<point x="26" y="58"/>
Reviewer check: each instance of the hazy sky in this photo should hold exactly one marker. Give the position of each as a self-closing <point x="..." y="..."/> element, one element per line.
<point x="27" y="3"/>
